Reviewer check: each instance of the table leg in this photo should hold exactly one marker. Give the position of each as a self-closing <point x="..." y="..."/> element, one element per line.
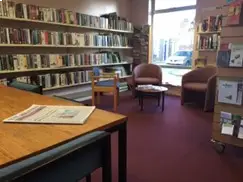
<point x="139" y="98"/>
<point x="122" y="152"/>
<point x="159" y="99"/>
<point x="122" y="149"/>
<point x="163" y="101"/>
<point x="141" y="102"/>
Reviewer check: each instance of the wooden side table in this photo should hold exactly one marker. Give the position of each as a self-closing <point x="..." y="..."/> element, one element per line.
<point x="151" y="90"/>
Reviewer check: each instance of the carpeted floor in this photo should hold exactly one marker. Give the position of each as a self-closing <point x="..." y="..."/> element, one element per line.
<point x="173" y="146"/>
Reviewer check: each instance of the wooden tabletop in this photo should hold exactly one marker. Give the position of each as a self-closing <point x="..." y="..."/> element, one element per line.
<point x="19" y="141"/>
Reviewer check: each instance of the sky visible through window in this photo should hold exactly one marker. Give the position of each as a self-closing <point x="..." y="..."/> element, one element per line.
<point x="165" y="4"/>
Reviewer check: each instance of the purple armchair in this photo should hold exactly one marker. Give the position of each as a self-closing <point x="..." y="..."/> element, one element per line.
<point x="146" y="74"/>
<point x="202" y="80"/>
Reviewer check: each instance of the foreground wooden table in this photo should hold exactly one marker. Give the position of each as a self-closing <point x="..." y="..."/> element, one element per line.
<point x="20" y="141"/>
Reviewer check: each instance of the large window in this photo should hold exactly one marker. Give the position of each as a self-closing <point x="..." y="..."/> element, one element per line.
<point x="173" y="34"/>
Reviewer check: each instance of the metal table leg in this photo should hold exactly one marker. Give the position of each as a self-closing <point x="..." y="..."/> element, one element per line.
<point x="163" y="101"/>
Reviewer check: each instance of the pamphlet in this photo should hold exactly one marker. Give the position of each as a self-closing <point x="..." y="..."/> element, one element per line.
<point x="52" y="114"/>
<point x="236" y="56"/>
<point x="227" y="125"/>
<point x="230" y="92"/>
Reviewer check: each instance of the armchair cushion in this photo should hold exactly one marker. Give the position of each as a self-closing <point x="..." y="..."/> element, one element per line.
<point x="147" y="80"/>
<point x="107" y="83"/>
<point x="201" y="87"/>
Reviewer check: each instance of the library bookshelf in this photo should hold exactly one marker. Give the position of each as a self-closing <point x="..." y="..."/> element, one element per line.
<point x="32" y="29"/>
<point x="64" y="25"/>
<point x="63" y="46"/>
<point x="78" y="84"/>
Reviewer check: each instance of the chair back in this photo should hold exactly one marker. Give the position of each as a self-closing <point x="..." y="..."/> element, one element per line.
<point x="147" y="70"/>
<point x="206" y="72"/>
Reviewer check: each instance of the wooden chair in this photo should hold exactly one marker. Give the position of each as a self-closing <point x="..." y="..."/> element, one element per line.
<point x="105" y="82"/>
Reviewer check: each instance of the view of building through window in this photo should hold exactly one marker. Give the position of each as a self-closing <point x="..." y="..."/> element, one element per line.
<point x="173" y="35"/>
<point x="173" y="38"/>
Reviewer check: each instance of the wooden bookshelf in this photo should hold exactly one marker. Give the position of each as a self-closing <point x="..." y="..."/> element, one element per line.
<point x="31" y="72"/>
<point x="62" y="46"/>
<point x="209" y="32"/>
<point x="43" y="30"/>
<point x="207" y="50"/>
<point x="64" y="25"/>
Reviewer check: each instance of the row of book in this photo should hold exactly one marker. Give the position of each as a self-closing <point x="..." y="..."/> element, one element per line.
<point x="55" y="79"/>
<point x="38" y="61"/>
<point x="34" y="12"/>
<point x="210" y="24"/>
<point x="208" y="42"/>
<point x="43" y="37"/>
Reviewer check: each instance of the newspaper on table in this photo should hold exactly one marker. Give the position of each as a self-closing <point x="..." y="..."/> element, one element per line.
<point x="52" y="115"/>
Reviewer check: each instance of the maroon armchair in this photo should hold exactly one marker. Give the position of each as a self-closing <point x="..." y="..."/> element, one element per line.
<point x="146" y="74"/>
<point x="201" y="80"/>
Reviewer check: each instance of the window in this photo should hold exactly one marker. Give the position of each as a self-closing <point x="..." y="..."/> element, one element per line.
<point x="166" y="4"/>
<point x="173" y="37"/>
<point x="173" y="40"/>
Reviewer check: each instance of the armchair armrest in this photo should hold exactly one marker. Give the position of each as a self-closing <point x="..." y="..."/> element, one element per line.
<point x="212" y="82"/>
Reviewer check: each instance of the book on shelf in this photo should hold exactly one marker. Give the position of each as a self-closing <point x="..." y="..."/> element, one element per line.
<point x="12" y="9"/>
<point x="211" y="24"/>
<point x="230" y="55"/>
<point x="210" y="42"/>
<point x="116" y="22"/>
<point x="230" y="92"/>
<point x="17" y="62"/>
<point x="235" y="14"/>
<point x="58" y="79"/>
<point x="44" y="37"/>
<point x="223" y="58"/>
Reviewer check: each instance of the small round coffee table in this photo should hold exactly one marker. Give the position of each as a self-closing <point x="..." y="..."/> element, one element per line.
<point x="151" y="90"/>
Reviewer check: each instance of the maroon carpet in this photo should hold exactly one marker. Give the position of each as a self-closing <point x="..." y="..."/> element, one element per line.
<point x="173" y="146"/>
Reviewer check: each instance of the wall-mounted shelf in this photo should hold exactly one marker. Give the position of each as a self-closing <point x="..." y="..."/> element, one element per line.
<point x="46" y="70"/>
<point x="207" y="50"/>
<point x="63" y="24"/>
<point x="62" y="46"/>
<point x="212" y="32"/>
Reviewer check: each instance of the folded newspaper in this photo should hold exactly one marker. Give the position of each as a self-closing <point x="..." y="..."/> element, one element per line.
<point x="52" y="114"/>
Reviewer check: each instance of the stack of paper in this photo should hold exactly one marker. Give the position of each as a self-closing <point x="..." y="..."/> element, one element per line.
<point x="53" y="114"/>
